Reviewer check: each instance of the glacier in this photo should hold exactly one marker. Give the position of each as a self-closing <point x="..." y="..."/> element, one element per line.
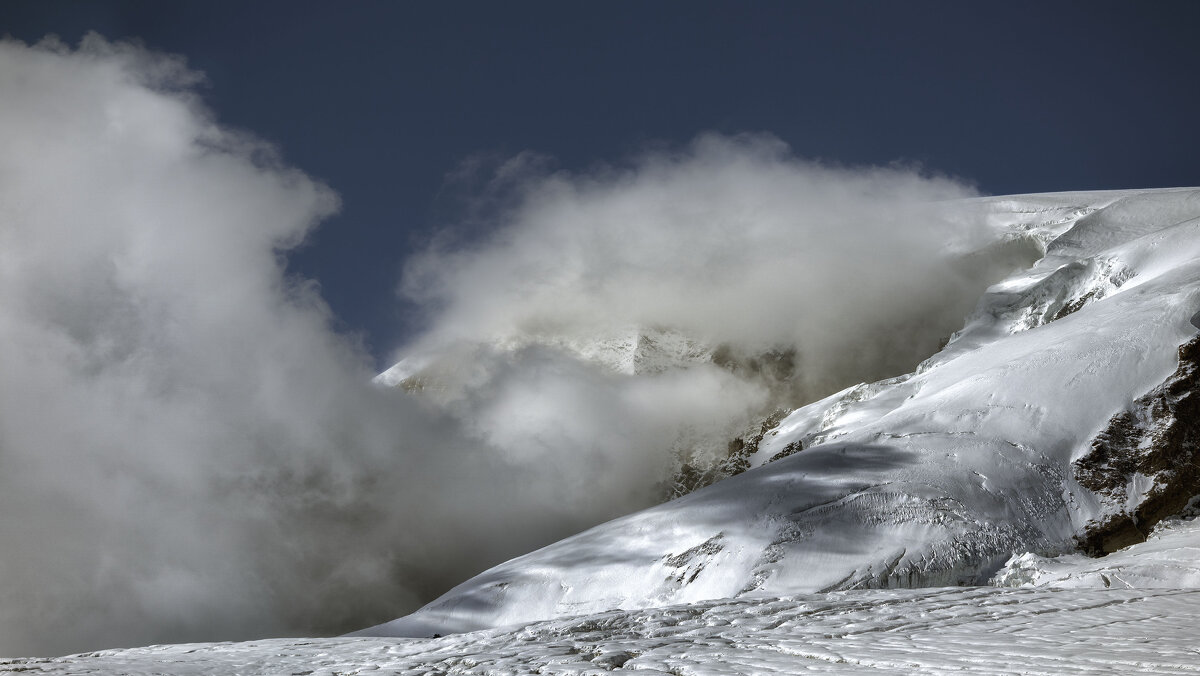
<point x="935" y="521"/>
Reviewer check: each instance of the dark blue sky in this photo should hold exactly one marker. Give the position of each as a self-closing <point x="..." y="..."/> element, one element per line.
<point x="383" y="99"/>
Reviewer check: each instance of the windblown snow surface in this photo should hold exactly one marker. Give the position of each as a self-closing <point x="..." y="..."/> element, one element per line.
<point x="932" y="522"/>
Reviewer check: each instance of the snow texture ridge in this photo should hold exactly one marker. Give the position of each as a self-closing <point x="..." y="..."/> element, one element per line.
<point x="932" y="631"/>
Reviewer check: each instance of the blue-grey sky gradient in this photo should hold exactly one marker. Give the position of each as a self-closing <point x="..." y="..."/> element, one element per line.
<point x="382" y="100"/>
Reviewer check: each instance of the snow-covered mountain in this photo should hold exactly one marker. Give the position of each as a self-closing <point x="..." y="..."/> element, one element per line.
<point x="1034" y="481"/>
<point x="629" y="350"/>
<point x="1054" y="420"/>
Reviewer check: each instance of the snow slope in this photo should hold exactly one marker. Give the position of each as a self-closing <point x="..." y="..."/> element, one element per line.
<point x="935" y="478"/>
<point x="1071" y="615"/>
<point x="1168" y="559"/>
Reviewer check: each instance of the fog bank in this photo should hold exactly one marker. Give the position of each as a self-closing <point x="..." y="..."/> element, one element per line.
<point x="732" y="241"/>
<point x="190" y="451"/>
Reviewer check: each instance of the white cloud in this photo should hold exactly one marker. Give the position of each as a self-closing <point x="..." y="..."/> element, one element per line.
<point x="732" y="240"/>
<point x="188" y="451"/>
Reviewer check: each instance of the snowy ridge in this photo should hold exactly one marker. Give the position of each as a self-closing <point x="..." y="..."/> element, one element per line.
<point x="936" y="478"/>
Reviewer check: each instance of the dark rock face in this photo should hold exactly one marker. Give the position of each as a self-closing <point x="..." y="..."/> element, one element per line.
<point x="691" y="478"/>
<point x="1159" y="439"/>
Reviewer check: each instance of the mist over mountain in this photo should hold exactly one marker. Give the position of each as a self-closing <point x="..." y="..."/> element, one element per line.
<point x="1060" y="420"/>
<point x="193" y="451"/>
<point x="1026" y="499"/>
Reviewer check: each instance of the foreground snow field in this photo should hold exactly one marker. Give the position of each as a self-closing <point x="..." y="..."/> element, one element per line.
<point x="928" y="631"/>
<point x="932" y="522"/>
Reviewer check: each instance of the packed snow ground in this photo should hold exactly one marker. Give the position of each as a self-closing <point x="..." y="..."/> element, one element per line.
<point x="928" y="631"/>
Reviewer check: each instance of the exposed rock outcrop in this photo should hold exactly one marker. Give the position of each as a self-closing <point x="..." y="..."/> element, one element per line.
<point x="691" y="476"/>
<point x="1145" y="465"/>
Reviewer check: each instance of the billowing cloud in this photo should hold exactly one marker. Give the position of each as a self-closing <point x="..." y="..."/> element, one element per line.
<point x="733" y="241"/>
<point x="189" y="451"/>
